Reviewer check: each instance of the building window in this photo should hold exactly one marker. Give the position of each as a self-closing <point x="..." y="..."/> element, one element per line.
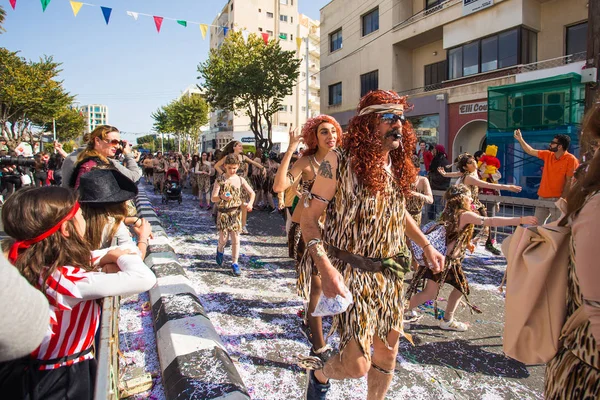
<point x="435" y="73"/>
<point x="291" y="37"/>
<point x="335" y="94"/>
<point x="489" y="54"/>
<point x="291" y="108"/>
<point x="291" y="20"/>
<point x="335" y="40"/>
<point x="283" y="2"/>
<point x="283" y="107"/>
<point x="259" y="10"/>
<point x="303" y="108"/>
<point x="471" y="58"/>
<point x="577" y="38"/>
<point x="368" y="82"/>
<point x="260" y="29"/>
<point x="269" y="14"/>
<point x="283" y="18"/>
<point x="426" y="127"/>
<point x="231" y="8"/>
<point x="370" y="22"/>
<point x="432" y="3"/>
<point x="503" y="50"/>
<point x="270" y="33"/>
<point x="508" y="49"/>
<point x="455" y="62"/>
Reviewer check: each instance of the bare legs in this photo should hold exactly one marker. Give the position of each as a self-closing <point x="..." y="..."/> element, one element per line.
<point x="315" y="323"/>
<point x="235" y="244"/>
<point x="353" y="364"/>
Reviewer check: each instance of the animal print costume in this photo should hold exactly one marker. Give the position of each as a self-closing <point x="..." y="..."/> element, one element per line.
<point x="414" y="206"/>
<point x="371" y="226"/>
<point x="229" y="215"/>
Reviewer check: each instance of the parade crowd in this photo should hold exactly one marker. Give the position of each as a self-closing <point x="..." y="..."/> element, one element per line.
<point x="352" y="203"/>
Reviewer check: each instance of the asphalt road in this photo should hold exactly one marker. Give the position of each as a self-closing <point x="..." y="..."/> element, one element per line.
<point x="256" y="316"/>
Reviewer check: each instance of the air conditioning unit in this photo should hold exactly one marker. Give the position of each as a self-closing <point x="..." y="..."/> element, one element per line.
<point x="554" y="108"/>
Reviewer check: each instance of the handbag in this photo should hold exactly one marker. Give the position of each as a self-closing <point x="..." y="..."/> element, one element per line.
<point x="436" y="235"/>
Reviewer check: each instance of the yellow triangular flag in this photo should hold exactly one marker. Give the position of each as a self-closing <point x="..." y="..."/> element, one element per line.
<point x="76" y="6"/>
<point x="298" y="41"/>
<point x="203" y="29"/>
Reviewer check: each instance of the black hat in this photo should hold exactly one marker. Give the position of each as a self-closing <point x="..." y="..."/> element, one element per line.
<point x="105" y="186"/>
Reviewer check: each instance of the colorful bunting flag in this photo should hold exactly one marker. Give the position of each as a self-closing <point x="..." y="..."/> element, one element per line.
<point x="225" y="29"/>
<point x="133" y="14"/>
<point x="203" y="29"/>
<point x="245" y="35"/>
<point x="13" y="3"/>
<point x="265" y="37"/>
<point x="45" y="4"/>
<point x="182" y="23"/>
<point x="106" y="12"/>
<point x="158" y="22"/>
<point x="76" y="6"/>
<point x="298" y="41"/>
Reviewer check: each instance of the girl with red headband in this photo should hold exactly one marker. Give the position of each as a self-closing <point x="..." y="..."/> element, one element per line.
<point x="48" y="248"/>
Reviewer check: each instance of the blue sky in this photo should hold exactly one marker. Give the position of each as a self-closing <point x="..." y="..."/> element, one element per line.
<point x="126" y="64"/>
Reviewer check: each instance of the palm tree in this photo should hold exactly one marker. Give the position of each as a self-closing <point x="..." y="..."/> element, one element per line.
<point x="2" y="15"/>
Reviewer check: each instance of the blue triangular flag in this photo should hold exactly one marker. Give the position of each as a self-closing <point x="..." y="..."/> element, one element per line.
<point x="106" y="12"/>
<point x="225" y="29"/>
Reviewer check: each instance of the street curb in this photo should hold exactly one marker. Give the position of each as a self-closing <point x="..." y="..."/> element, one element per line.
<point x="193" y="360"/>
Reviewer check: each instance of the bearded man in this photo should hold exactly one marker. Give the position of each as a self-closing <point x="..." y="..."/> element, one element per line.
<point x="363" y="252"/>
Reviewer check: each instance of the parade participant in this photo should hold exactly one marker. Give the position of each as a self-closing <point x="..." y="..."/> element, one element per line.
<point x="227" y="193"/>
<point x="362" y="187"/>
<point x="459" y="221"/>
<point x="104" y="141"/>
<point x="272" y="166"/>
<point x="159" y="165"/>
<point x="194" y="166"/>
<point x="202" y="172"/>
<point x="236" y="148"/>
<point x="320" y="135"/>
<point x="148" y="164"/>
<point x="574" y="372"/>
<point x="467" y="175"/>
<point x="420" y="194"/>
<point x="47" y="245"/>
<point x="257" y="180"/>
<point x="557" y="174"/>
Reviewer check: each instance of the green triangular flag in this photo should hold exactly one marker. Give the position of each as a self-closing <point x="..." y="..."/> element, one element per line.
<point x="45" y="4"/>
<point x="182" y="23"/>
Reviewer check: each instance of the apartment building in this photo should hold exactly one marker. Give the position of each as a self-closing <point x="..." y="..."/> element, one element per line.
<point x="94" y="114"/>
<point x="474" y="70"/>
<point x="280" y="20"/>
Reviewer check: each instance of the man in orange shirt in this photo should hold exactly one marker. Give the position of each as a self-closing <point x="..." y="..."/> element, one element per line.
<point x="559" y="167"/>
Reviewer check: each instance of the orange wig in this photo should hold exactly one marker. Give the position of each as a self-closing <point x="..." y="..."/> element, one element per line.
<point x="363" y="143"/>
<point x="310" y="131"/>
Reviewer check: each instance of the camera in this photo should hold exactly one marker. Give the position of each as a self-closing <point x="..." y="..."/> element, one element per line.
<point x="19" y="161"/>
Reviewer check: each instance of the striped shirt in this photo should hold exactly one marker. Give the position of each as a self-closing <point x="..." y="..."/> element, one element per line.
<point x="73" y="320"/>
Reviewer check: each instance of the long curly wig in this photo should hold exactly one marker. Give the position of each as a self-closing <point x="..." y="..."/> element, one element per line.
<point x="363" y="142"/>
<point x="309" y="133"/>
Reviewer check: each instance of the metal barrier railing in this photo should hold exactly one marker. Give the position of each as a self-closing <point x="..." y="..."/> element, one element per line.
<point x="107" y="352"/>
<point x="509" y="207"/>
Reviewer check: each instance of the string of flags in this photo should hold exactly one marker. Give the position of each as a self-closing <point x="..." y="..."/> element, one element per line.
<point x="158" y="20"/>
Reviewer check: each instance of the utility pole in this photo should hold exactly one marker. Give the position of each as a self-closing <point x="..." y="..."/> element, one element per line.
<point x="307" y="75"/>
<point x="593" y="51"/>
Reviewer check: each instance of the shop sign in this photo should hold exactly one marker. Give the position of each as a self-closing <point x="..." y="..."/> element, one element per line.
<point x="472" y="6"/>
<point x="472" y="108"/>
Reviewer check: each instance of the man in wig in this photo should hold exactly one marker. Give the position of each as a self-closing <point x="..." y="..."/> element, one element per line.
<point x="362" y="252"/>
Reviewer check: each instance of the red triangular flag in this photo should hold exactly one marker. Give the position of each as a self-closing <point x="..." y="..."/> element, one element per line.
<point x="265" y="37"/>
<point x="13" y="3"/>
<point x="158" y="22"/>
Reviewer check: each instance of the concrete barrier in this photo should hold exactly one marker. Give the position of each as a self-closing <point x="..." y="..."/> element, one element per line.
<point x="193" y="360"/>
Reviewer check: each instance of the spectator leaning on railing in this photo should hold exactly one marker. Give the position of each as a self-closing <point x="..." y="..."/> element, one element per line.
<point x="101" y="149"/>
<point x="558" y="171"/>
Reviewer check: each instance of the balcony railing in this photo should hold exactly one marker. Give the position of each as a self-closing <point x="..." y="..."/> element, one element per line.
<point x="499" y="73"/>
<point x="425" y="13"/>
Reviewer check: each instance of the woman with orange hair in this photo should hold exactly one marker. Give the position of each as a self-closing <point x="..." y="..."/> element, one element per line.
<point x="320" y="135"/>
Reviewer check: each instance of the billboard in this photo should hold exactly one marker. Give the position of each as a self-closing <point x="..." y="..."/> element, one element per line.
<point x="472" y="6"/>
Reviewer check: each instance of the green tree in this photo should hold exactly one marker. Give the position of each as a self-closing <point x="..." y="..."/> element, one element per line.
<point x="252" y="77"/>
<point x="187" y="115"/>
<point x="70" y="124"/>
<point x="30" y="95"/>
<point x="2" y="17"/>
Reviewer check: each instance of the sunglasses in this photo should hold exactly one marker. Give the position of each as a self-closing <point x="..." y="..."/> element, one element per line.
<point x="392" y="118"/>
<point x="114" y="142"/>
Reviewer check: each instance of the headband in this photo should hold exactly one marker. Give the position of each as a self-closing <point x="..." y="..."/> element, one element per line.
<point x="382" y="108"/>
<point x="25" y="244"/>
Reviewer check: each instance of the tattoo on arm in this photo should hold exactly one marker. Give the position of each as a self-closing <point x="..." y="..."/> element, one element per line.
<point x="325" y="170"/>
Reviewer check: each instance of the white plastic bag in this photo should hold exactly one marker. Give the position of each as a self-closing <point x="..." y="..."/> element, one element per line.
<point x="332" y="306"/>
